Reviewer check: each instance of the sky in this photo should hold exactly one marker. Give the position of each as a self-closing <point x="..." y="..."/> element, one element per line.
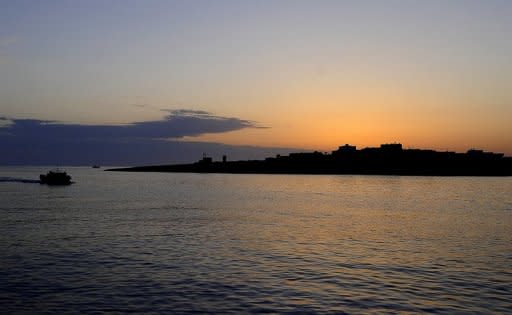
<point x="253" y="76"/>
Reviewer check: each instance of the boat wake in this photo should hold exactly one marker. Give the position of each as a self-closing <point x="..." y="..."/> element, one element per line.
<point x="19" y="180"/>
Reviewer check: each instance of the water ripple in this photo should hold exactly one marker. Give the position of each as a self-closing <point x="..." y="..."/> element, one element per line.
<point x="186" y="244"/>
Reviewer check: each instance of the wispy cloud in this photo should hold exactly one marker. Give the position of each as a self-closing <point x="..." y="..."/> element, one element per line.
<point x="4" y="121"/>
<point x="188" y="112"/>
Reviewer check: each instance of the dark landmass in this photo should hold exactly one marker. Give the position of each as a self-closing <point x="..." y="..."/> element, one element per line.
<point x="388" y="159"/>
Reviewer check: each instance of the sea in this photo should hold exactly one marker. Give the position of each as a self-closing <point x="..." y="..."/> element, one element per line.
<point x="120" y="242"/>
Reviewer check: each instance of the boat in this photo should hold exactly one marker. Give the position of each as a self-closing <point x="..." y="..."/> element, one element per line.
<point x="55" y="177"/>
<point x="95" y="166"/>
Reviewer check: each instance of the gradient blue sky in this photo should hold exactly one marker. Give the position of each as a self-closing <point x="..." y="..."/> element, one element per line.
<point x="318" y="74"/>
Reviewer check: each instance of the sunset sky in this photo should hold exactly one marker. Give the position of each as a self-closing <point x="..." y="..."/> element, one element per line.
<point x="287" y="74"/>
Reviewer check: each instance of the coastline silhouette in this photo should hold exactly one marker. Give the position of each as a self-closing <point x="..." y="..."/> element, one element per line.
<point x="388" y="159"/>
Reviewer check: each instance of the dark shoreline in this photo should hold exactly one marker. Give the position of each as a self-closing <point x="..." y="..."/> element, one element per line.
<point x="388" y="159"/>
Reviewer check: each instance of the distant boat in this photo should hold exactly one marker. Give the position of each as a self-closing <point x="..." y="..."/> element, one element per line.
<point x="55" y="177"/>
<point x="95" y="166"/>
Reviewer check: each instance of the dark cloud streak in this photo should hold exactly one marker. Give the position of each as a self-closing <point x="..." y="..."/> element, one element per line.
<point x="177" y="124"/>
<point x="38" y="142"/>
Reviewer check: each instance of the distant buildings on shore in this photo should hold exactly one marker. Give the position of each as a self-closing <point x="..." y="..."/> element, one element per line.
<point x="388" y="159"/>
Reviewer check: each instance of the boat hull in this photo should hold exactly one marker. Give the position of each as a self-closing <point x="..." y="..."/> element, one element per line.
<point x="55" y="180"/>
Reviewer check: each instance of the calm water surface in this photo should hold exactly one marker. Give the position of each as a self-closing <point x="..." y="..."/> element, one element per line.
<point x="181" y="243"/>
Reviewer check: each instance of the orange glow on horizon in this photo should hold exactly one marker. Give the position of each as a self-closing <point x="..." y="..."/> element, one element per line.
<point x="381" y="116"/>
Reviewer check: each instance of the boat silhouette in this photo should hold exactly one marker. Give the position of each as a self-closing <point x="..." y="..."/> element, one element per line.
<point x="55" y="177"/>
